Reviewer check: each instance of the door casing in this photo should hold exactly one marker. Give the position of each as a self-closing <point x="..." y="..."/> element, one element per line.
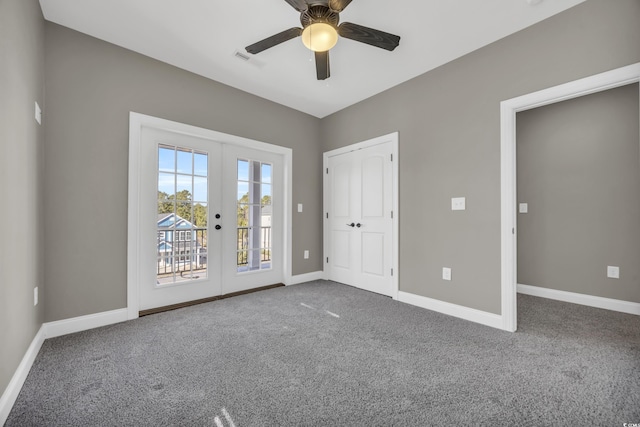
<point x="136" y="122"/>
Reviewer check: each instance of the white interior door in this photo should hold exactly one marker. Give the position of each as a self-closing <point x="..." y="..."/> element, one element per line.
<point x="193" y="242"/>
<point x="359" y="218"/>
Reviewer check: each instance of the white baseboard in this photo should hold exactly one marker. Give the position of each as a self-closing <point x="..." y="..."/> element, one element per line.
<point x="10" y="394"/>
<point x="307" y="277"/>
<point x="51" y="330"/>
<point x="466" y="313"/>
<point x="83" y="323"/>
<point x="582" y="299"/>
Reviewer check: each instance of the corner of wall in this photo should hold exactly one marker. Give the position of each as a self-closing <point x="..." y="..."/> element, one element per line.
<point x="21" y="172"/>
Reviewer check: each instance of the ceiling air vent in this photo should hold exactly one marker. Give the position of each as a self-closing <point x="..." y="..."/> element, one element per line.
<point x="243" y="56"/>
<point x="248" y="58"/>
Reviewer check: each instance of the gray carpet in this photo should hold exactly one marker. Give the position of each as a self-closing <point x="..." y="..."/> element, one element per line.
<point x="331" y="355"/>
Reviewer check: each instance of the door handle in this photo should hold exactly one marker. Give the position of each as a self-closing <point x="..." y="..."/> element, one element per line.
<point x="218" y="226"/>
<point x="358" y="225"/>
<point x="217" y="216"/>
<point x="351" y="225"/>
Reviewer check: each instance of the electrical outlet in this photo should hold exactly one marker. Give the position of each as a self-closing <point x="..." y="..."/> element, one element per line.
<point x="458" y="203"/>
<point x="613" y="272"/>
<point x="306" y="254"/>
<point x="523" y="208"/>
<point x="35" y="296"/>
<point x="446" y="273"/>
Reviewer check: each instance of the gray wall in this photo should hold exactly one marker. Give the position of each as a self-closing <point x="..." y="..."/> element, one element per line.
<point x="21" y="140"/>
<point x="449" y="124"/>
<point x="91" y="87"/>
<point x="579" y="171"/>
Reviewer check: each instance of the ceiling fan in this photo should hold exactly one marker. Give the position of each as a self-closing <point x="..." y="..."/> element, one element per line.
<point x="320" y="31"/>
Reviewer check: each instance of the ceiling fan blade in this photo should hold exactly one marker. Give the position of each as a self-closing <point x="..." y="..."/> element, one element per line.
<point x="274" y="40"/>
<point x="338" y="5"/>
<point x="299" y="5"/>
<point x="370" y="36"/>
<point x="322" y="65"/>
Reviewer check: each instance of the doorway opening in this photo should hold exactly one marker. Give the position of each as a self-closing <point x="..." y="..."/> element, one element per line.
<point x="600" y="82"/>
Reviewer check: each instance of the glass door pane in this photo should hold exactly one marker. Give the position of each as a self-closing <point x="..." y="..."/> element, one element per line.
<point x="254" y="215"/>
<point x="182" y="223"/>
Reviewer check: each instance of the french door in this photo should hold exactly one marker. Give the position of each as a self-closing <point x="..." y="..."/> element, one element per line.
<point x="360" y="219"/>
<point x="211" y="218"/>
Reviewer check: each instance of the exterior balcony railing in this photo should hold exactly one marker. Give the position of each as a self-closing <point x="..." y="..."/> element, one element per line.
<point x="243" y="245"/>
<point x="189" y="256"/>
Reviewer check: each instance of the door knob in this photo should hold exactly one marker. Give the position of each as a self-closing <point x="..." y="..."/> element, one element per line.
<point x="218" y="226"/>
<point x="351" y="225"/>
<point x="217" y="216"/>
<point x="358" y="225"/>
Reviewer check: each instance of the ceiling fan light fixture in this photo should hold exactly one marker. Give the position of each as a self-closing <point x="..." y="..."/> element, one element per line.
<point x="319" y="37"/>
<point x="320" y="21"/>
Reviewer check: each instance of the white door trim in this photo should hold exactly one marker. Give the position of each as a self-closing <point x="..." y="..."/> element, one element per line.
<point x="136" y="122"/>
<point x="508" y="109"/>
<point x="393" y="139"/>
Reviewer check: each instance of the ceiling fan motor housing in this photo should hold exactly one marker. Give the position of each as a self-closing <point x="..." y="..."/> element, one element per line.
<point x="319" y="14"/>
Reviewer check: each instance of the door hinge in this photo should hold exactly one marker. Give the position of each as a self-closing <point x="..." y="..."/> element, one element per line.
<point x="392" y="271"/>
<point x="327" y="215"/>
<point x="391" y="214"/>
<point x="327" y="260"/>
<point x="392" y="157"/>
<point x="513" y="231"/>
<point x="327" y="170"/>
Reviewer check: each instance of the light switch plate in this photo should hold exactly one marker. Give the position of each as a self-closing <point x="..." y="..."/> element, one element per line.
<point x="613" y="272"/>
<point x="446" y="273"/>
<point x="458" y="203"/>
<point x="299" y="207"/>
<point x="306" y="254"/>
<point x="523" y="208"/>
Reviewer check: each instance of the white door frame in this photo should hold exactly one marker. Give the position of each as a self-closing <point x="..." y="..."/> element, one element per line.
<point x="508" y="109"/>
<point x="136" y="122"/>
<point x="393" y="139"/>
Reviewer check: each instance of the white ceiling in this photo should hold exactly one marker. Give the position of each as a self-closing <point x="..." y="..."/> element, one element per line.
<point x="202" y="36"/>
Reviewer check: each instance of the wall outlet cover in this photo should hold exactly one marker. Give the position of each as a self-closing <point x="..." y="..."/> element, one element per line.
<point x="306" y="254"/>
<point x="523" y="208"/>
<point x="446" y="273"/>
<point x="299" y="207"/>
<point x="613" y="272"/>
<point x="458" y="203"/>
